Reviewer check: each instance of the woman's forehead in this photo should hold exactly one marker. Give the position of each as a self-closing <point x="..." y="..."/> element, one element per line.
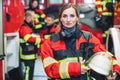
<point x="69" y="11"/>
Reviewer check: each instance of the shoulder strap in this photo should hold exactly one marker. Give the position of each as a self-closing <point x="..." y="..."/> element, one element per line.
<point x="55" y="37"/>
<point x="87" y="35"/>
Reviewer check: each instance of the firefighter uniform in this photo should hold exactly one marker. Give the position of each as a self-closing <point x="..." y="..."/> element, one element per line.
<point x="106" y="12"/>
<point x="39" y="16"/>
<point x="62" y="55"/>
<point x="45" y="33"/>
<point x="29" y="43"/>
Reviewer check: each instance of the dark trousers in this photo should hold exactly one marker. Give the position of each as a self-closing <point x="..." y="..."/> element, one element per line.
<point x="29" y="69"/>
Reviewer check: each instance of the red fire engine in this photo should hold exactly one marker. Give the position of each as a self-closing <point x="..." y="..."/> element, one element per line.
<point x="12" y="12"/>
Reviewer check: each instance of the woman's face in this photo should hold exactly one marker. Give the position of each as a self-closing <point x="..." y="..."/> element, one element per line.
<point x="69" y="17"/>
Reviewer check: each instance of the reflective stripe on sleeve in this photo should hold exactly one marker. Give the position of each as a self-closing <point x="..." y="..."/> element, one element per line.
<point x="48" y="61"/>
<point x="43" y="16"/>
<point x="107" y="13"/>
<point x="22" y="40"/>
<point x="46" y="36"/>
<point x="38" y="40"/>
<point x="63" y="71"/>
<point x="37" y="26"/>
<point x="98" y="3"/>
<point x="27" y="36"/>
<point x="99" y="9"/>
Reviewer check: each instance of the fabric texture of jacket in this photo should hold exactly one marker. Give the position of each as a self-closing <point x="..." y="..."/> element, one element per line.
<point x="63" y="62"/>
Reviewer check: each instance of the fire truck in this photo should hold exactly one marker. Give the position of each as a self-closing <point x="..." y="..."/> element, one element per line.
<point x="12" y="16"/>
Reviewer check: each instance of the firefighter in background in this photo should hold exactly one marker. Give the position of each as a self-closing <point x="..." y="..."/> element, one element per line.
<point x="64" y="53"/>
<point x="39" y="15"/>
<point x="29" y="44"/>
<point x="105" y="10"/>
<point x="49" y="29"/>
<point x="50" y="26"/>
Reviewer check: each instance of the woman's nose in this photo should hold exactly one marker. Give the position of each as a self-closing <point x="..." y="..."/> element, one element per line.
<point x="68" y="19"/>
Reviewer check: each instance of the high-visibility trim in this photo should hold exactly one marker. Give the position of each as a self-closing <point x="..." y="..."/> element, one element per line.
<point x="22" y="40"/>
<point x="38" y="40"/>
<point x="98" y="3"/>
<point x="99" y="9"/>
<point x="27" y="57"/>
<point x="115" y="62"/>
<point x="48" y="61"/>
<point x="107" y="14"/>
<point x="37" y="18"/>
<point x="43" y="16"/>
<point x="27" y="36"/>
<point x="56" y="20"/>
<point x="64" y="70"/>
<point x="46" y="36"/>
<point x="71" y="59"/>
<point x="27" y="73"/>
<point x="38" y="26"/>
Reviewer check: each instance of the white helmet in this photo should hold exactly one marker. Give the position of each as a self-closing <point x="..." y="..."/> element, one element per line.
<point x="101" y="63"/>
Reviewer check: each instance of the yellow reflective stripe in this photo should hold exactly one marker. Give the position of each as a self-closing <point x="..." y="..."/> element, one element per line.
<point x="47" y="61"/>
<point x="46" y="36"/>
<point x="56" y="20"/>
<point x="43" y="16"/>
<point x="107" y="13"/>
<point x="98" y="2"/>
<point x="27" y="36"/>
<point x="115" y="62"/>
<point x="38" y="26"/>
<point x="99" y="9"/>
<point x="27" y="57"/>
<point x="27" y="73"/>
<point x="22" y="40"/>
<point x="38" y="40"/>
<point x="71" y="59"/>
<point x="64" y="70"/>
<point x="37" y="17"/>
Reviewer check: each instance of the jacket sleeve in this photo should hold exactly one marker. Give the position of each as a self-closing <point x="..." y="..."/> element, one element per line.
<point x="55" y="69"/>
<point x="26" y="34"/>
<point x="98" y="4"/>
<point x="41" y="13"/>
<point x="99" y="48"/>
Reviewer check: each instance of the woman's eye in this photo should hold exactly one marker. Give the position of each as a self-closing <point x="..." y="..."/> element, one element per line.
<point x="64" y="16"/>
<point x="72" y="15"/>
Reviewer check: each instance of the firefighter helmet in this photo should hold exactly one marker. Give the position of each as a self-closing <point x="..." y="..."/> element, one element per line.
<point x="101" y="63"/>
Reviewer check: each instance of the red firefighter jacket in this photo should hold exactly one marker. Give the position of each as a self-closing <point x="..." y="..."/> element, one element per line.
<point x="48" y="31"/>
<point x="58" y="62"/>
<point x="27" y="33"/>
<point x="29" y="42"/>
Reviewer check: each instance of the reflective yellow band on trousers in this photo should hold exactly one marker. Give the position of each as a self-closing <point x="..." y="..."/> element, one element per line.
<point x="27" y="57"/>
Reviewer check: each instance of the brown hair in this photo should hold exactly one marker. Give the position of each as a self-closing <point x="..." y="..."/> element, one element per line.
<point x="69" y="5"/>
